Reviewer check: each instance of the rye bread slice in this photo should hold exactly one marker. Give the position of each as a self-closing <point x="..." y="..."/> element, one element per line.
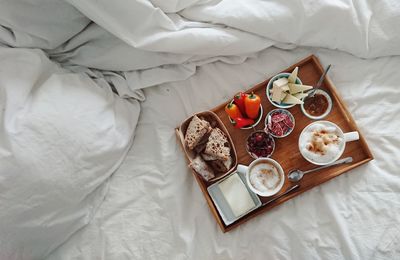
<point x="201" y="167"/>
<point x="201" y="145"/>
<point x="228" y="163"/>
<point x="207" y="157"/>
<point x="221" y="166"/>
<point x="217" y="145"/>
<point x="196" y="130"/>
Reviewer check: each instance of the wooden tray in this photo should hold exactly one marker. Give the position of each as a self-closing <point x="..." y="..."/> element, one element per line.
<point x="286" y="151"/>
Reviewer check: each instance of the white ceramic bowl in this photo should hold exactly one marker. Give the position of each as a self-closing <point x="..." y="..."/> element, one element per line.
<point x="283" y="111"/>
<point x="328" y="110"/>
<point x="257" y="120"/>
<point x="270" y="85"/>
<point x="253" y="155"/>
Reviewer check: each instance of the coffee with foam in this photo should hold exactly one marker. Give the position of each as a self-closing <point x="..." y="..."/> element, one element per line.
<point x="264" y="177"/>
<point x="321" y="143"/>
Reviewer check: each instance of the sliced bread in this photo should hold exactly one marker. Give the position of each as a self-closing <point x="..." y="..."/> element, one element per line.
<point x="201" y="167"/>
<point x="217" y="145"/>
<point x="221" y="166"/>
<point x="196" y="130"/>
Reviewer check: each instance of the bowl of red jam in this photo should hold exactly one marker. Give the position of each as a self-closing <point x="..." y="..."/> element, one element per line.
<point x="318" y="106"/>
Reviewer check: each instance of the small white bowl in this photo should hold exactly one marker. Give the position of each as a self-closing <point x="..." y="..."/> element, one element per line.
<point x="287" y="112"/>
<point x="253" y="155"/>
<point x="257" y="120"/>
<point x="328" y="110"/>
<point x="270" y="85"/>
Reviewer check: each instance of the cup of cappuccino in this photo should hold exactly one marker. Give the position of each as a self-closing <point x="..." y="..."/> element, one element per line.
<point x="264" y="176"/>
<point x="323" y="142"/>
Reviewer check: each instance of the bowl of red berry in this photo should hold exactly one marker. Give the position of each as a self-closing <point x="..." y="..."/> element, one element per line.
<point x="279" y="123"/>
<point x="260" y="144"/>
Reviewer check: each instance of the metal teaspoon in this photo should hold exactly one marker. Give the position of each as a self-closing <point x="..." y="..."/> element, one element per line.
<point x="296" y="174"/>
<point x="321" y="79"/>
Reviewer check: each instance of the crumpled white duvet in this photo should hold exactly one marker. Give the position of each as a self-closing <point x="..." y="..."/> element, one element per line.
<point x="155" y="210"/>
<point x="196" y="54"/>
<point x="61" y="137"/>
<point x="158" y="33"/>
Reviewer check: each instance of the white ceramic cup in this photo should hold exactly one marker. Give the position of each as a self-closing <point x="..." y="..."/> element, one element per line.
<point x="347" y="137"/>
<point x="246" y="170"/>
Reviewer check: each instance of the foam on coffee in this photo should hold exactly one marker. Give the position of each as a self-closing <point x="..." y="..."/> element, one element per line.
<point x="321" y="143"/>
<point x="264" y="177"/>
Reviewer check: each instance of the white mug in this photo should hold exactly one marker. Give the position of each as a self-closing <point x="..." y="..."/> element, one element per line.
<point x="347" y="137"/>
<point x="246" y="170"/>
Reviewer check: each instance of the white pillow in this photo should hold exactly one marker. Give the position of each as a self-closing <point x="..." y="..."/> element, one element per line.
<point x="61" y="137"/>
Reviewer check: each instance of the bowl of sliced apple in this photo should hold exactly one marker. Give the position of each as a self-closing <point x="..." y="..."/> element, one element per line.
<point x="286" y="90"/>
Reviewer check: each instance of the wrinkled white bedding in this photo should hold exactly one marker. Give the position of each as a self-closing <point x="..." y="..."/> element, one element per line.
<point x="196" y="54"/>
<point x="155" y="210"/>
<point x="61" y="137"/>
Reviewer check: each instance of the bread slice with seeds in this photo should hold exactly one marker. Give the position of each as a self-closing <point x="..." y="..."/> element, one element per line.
<point x="208" y="157"/>
<point x="201" y="167"/>
<point x="196" y="130"/>
<point x="221" y="166"/>
<point x="217" y="145"/>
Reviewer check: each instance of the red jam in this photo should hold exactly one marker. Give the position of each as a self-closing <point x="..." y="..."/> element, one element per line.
<point x="317" y="105"/>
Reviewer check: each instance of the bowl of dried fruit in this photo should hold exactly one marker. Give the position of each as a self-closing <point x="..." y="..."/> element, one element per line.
<point x="260" y="144"/>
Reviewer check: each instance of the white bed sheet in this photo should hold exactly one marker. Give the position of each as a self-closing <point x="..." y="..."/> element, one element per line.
<point x="155" y="209"/>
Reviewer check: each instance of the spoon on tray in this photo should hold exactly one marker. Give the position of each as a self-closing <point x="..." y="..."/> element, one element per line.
<point x="296" y="174"/>
<point x="321" y="79"/>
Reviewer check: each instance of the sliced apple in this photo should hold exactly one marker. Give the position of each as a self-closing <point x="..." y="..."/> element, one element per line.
<point x="276" y="94"/>
<point x="287" y="91"/>
<point x="285" y="88"/>
<point x="300" y="95"/>
<point x="293" y="76"/>
<point x="281" y="82"/>
<point x="290" y="99"/>
<point x="296" y="88"/>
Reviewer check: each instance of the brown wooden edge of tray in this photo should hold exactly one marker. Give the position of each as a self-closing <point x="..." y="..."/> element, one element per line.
<point x="262" y="209"/>
<point x="203" y="188"/>
<point x="340" y="102"/>
<point x="348" y="118"/>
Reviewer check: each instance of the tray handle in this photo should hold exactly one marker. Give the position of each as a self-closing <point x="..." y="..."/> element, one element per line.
<point x="180" y="135"/>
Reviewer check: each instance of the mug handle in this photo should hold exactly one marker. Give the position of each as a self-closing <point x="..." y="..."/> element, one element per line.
<point x="351" y="136"/>
<point x="242" y="168"/>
